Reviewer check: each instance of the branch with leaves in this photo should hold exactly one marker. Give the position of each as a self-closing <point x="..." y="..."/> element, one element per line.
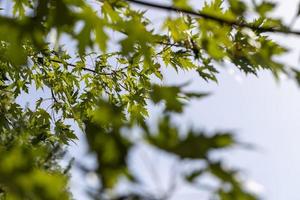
<point x="221" y="20"/>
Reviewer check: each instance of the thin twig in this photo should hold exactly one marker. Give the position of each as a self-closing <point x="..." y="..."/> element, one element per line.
<point x="88" y="69"/>
<point x="53" y="96"/>
<point x="73" y="65"/>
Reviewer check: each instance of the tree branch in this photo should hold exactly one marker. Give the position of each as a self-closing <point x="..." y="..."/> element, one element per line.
<point x="87" y="69"/>
<point x="215" y="18"/>
<point x="72" y="65"/>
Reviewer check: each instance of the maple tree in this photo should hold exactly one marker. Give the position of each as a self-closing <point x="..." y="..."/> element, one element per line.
<point x="105" y="86"/>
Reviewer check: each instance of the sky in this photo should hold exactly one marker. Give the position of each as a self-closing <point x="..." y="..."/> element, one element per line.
<point x="260" y="110"/>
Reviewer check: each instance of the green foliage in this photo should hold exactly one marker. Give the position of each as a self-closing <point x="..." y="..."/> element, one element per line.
<point x="105" y="139"/>
<point x="172" y="96"/>
<point x="105" y="87"/>
<point x="194" y="145"/>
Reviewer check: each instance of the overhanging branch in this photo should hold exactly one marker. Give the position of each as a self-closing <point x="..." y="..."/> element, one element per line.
<point x="215" y="18"/>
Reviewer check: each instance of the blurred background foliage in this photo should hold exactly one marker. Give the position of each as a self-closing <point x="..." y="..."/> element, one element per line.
<point x="108" y="97"/>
